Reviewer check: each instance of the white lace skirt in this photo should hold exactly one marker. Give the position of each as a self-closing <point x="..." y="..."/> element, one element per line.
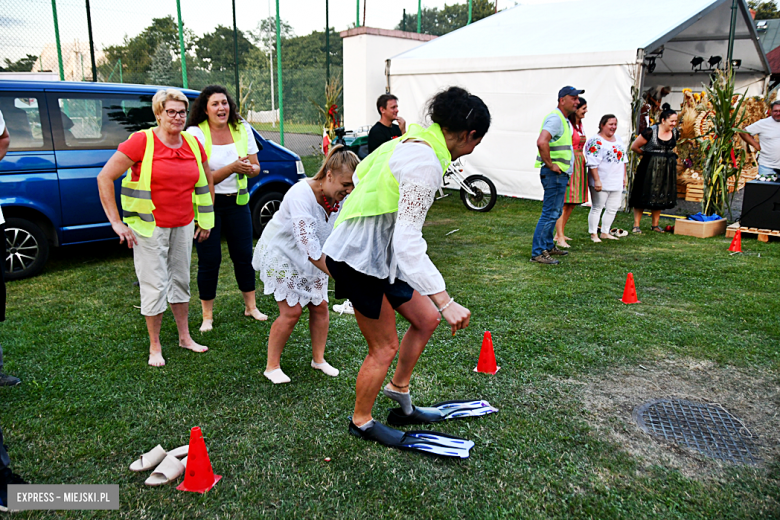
<point x="287" y="281"/>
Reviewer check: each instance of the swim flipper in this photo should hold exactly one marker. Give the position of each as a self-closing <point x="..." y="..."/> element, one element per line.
<point x="434" y="443"/>
<point x="440" y="412"/>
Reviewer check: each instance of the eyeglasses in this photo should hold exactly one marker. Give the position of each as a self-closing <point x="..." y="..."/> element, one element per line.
<point x="173" y="113"/>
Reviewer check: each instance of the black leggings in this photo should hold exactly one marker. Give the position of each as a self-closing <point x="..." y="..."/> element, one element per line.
<point x="235" y="223"/>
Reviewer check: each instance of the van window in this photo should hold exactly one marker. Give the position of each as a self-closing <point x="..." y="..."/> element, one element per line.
<point x="23" y="121"/>
<point x="99" y="122"/>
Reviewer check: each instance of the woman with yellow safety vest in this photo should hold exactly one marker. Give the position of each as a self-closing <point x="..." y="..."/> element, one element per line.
<point x="167" y="199"/>
<point x="232" y="152"/>
<point x="377" y="253"/>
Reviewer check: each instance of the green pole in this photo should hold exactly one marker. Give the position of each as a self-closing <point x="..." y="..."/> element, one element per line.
<point x="467" y="23"/>
<point x="57" y="36"/>
<point x="357" y="15"/>
<point x="120" y="70"/>
<point x="419" y="16"/>
<point x="235" y="57"/>
<point x="181" y="47"/>
<point x="327" y="44"/>
<point x="279" y="73"/>
<point x="732" y="28"/>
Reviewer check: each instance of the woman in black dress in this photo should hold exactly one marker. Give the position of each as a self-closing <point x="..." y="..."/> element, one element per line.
<point x="655" y="182"/>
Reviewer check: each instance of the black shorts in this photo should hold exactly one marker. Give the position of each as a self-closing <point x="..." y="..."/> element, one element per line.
<point x="364" y="291"/>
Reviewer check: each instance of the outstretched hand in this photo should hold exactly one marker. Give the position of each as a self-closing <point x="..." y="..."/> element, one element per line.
<point x="457" y="316"/>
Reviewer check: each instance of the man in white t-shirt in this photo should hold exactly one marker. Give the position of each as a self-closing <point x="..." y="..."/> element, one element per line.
<point x="768" y="131"/>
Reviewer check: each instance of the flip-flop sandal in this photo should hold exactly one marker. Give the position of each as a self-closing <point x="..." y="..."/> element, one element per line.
<point x="637" y="230"/>
<point x="169" y="470"/>
<point x="657" y="229"/>
<point x="617" y="232"/>
<point x="152" y="458"/>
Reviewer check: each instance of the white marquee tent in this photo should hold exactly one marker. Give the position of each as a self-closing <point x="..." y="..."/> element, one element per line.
<point x="518" y="59"/>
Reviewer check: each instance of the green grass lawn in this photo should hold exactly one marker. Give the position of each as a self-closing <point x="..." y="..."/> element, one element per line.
<point x="89" y="405"/>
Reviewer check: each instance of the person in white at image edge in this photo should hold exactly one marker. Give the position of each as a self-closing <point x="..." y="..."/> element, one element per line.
<point x="290" y="262"/>
<point x="605" y="155"/>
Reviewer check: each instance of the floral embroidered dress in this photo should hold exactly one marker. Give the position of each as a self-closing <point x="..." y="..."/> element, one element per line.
<point x="655" y="182"/>
<point x="577" y="190"/>
<point x="295" y="234"/>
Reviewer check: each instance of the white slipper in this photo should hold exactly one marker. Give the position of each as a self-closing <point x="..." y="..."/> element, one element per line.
<point x="277" y="376"/>
<point x="169" y="470"/>
<point x="325" y="367"/>
<point x="155" y="456"/>
<point x="149" y="459"/>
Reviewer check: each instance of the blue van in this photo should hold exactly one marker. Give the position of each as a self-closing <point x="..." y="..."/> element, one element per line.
<point x="62" y="134"/>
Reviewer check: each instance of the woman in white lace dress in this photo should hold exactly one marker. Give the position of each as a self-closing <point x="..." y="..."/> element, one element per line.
<point x="290" y="262"/>
<point x="377" y="254"/>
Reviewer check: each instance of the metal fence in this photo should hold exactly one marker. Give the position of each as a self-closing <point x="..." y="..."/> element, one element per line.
<point x="66" y="40"/>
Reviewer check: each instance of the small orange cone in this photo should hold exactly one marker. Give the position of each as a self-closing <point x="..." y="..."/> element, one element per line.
<point x="736" y="242"/>
<point x="199" y="475"/>
<point x="629" y="293"/>
<point x="487" y="358"/>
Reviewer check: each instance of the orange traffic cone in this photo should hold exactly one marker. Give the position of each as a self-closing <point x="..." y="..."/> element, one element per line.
<point x="199" y="475"/>
<point x="736" y="242"/>
<point x="629" y="293"/>
<point x="487" y="358"/>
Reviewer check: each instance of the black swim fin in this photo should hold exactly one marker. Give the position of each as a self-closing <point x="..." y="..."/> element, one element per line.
<point x="434" y="443"/>
<point x="440" y="412"/>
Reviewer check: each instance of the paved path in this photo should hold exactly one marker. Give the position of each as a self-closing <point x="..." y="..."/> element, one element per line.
<point x="302" y="144"/>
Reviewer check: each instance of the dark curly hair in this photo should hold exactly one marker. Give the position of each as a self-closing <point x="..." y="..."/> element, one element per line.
<point x="457" y="110"/>
<point x="199" y="106"/>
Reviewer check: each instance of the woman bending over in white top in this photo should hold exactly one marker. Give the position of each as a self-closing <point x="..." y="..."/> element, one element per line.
<point x="605" y="156"/>
<point x="232" y="152"/>
<point x="290" y="261"/>
<point x="377" y="254"/>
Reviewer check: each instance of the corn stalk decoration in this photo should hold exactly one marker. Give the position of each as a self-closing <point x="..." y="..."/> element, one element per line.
<point x="330" y="111"/>
<point x="722" y="163"/>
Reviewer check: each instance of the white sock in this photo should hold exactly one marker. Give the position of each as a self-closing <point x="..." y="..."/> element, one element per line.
<point x="366" y="426"/>
<point x="325" y="367"/>
<point x="277" y="376"/>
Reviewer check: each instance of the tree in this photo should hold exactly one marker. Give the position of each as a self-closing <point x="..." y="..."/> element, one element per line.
<point x="309" y="51"/>
<point x="765" y="10"/>
<point x="137" y="52"/>
<point x="163" y="71"/>
<point x="264" y="34"/>
<point x="216" y="49"/>
<point x="455" y="16"/>
<point x="21" y="65"/>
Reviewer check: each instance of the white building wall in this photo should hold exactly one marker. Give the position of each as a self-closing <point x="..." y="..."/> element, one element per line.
<point x="365" y="52"/>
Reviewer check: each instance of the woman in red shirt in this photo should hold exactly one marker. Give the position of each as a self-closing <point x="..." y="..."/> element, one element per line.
<point x="162" y="244"/>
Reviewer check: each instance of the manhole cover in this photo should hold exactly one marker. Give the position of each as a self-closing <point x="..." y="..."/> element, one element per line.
<point x="707" y="428"/>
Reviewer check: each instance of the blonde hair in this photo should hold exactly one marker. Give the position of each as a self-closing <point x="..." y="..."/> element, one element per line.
<point x="165" y="95"/>
<point x="338" y="157"/>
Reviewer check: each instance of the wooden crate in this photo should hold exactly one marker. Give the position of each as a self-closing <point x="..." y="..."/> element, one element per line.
<point x="694" y="192"/>
<point x="762" y="234"/>
<point x="693" y="228"/>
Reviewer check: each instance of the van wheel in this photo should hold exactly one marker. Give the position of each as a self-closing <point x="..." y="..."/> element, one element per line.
<point x="26" y="249"/>
<point x="263" y="210"/>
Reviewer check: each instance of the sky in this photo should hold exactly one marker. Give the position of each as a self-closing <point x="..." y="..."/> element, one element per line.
<point x="27" y="25"/>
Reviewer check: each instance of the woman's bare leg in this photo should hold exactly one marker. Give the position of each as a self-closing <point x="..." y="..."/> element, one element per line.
<point x="560" y="225"/>
<point x="153" y="325"/>
<point x="655" y="216"/>
<point x="637" y="216"/>
<point x="207" y="307"/>
<point x="281" y="329"/>
<point x="181" y="315"/>
<point x="423" y="318"/>
<point x="382" y="338"/>
<point x="250" y="306"/>
<point x="319" y="321"/>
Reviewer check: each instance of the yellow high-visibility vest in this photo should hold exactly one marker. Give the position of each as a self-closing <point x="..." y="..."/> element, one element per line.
<point x="136" y="196"/>
<point x="561" y="149"/>
<point x="241" y="140"/>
